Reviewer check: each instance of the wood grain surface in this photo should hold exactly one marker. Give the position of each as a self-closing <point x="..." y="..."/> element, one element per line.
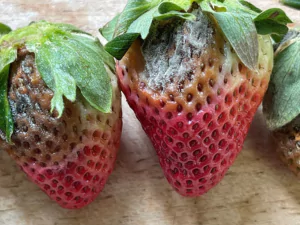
<point x="257" y="189"/>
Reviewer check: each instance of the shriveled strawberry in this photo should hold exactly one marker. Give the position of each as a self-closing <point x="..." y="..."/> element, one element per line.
<point x="192" y="87"/>
<point x="70" y="156"/>
<point x="281" y="103"/>
<point x="287" y="141"/>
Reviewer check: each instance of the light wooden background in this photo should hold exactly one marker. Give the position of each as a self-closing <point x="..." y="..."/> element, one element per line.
<point x="257" y="189"/>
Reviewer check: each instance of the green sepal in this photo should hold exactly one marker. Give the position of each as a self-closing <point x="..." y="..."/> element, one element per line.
<point x="168" y="10"/>
<point x="184" y="5"/>
<point x="241" y="21"/>
<point x="141" y="26"/>
<point x="132" y="12"/>
<point x="109" y="29"/>
<point x="272" y="21"/>
<point x="119" y="46"/>
<point x="6" y="122"/>
<point x="4" y="29"/>
<point x="274" y="14"/>
<point x="8" y="55"/>
<point x="67" y="58"/>
<point x="236" y="22"/>
<point x="250" y="6"/>
<point x="271" y="27"/>
<point x="292" y="3"/>
<point x="282" y="102"/>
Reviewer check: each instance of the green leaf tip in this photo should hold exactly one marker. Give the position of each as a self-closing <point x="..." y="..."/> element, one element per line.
<point x="68" y="60"/>
<point x="291" y="3"/>
<point x="281" y="104"/>
<point x="250" y="6"/>
<point x="6" y="122"/>
<point x="272" y="21"/>
<point x="4" y="29"/>
<point x="119" y="46"/>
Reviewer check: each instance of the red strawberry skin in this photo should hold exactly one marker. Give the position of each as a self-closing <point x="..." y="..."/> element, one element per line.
<point x="71" y="157"/>
<point x="198" y="125"/>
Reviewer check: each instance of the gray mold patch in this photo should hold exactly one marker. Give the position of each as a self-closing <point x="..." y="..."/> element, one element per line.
<point x="170" y="49"/>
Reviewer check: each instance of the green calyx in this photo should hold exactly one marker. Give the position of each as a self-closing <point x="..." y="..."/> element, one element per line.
<point x="4" y="29"/>
<point x="281" y="104"/>
<point x="66" y="58"/>
<point x="137" y="19"/>
<point x="239" y="20"/>
<point x="292" y="3"/>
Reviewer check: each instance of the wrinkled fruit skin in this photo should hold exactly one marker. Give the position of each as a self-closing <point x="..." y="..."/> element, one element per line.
<point x="69" y="158"/>
<point x="198" y="126"/>
<point x="287" y="141"/>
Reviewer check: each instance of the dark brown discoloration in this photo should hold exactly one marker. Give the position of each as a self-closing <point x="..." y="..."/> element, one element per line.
<point x="38" y="134"/>
<point x="288" y="144"/>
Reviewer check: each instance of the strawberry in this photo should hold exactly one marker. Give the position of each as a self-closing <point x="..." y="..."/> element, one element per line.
<point x="287" y="139"/>
<point x="197" y="124"/>
<point x="191" y="88"/>
<point x="281" y="103"/>
<point x="69" y="153"/>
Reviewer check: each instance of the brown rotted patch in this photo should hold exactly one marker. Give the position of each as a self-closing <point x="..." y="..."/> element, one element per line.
<point x="39" y="136"/>
<point x="288" y="144"/>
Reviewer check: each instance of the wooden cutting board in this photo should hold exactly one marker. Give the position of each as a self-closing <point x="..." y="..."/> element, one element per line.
<point x="257" y="189"/>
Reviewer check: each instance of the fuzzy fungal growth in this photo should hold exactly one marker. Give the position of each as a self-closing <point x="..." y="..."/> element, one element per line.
<point x="168" y="50"/>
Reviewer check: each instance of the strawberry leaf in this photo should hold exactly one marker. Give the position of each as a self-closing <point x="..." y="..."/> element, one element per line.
<point x="133" y="11"/>
<point x="109" y="29"/>
<point x="238" y="28"/>
<point x="142" y="24"/>
<point x="271" y="27"/>
<point x="292" y="3"/>
<point x="166" y="7"/>
<point x="183" y="4"/>
<point x="274" y="14"/>
<point x="8" y="56"/>
<point x="4" y="29"/>
<point x="6" y="122"/>
<point x="250" y="6"/>
<point x="56" y="78"/>
<point x="168" y="10"/>
<point x="66" y="58"/>
<point x="272" y="21"/>
<point x="119" y="46"/>
<point x="282" y="102"/>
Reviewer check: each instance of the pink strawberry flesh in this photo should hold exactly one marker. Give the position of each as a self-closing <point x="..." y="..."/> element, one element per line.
<point x="197" y="121"/>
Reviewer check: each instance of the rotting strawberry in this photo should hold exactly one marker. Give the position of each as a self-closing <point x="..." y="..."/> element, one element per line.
<point x="65" y="122"/>
<point x="281" y="103"/>
<point x="194" y="76"/>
